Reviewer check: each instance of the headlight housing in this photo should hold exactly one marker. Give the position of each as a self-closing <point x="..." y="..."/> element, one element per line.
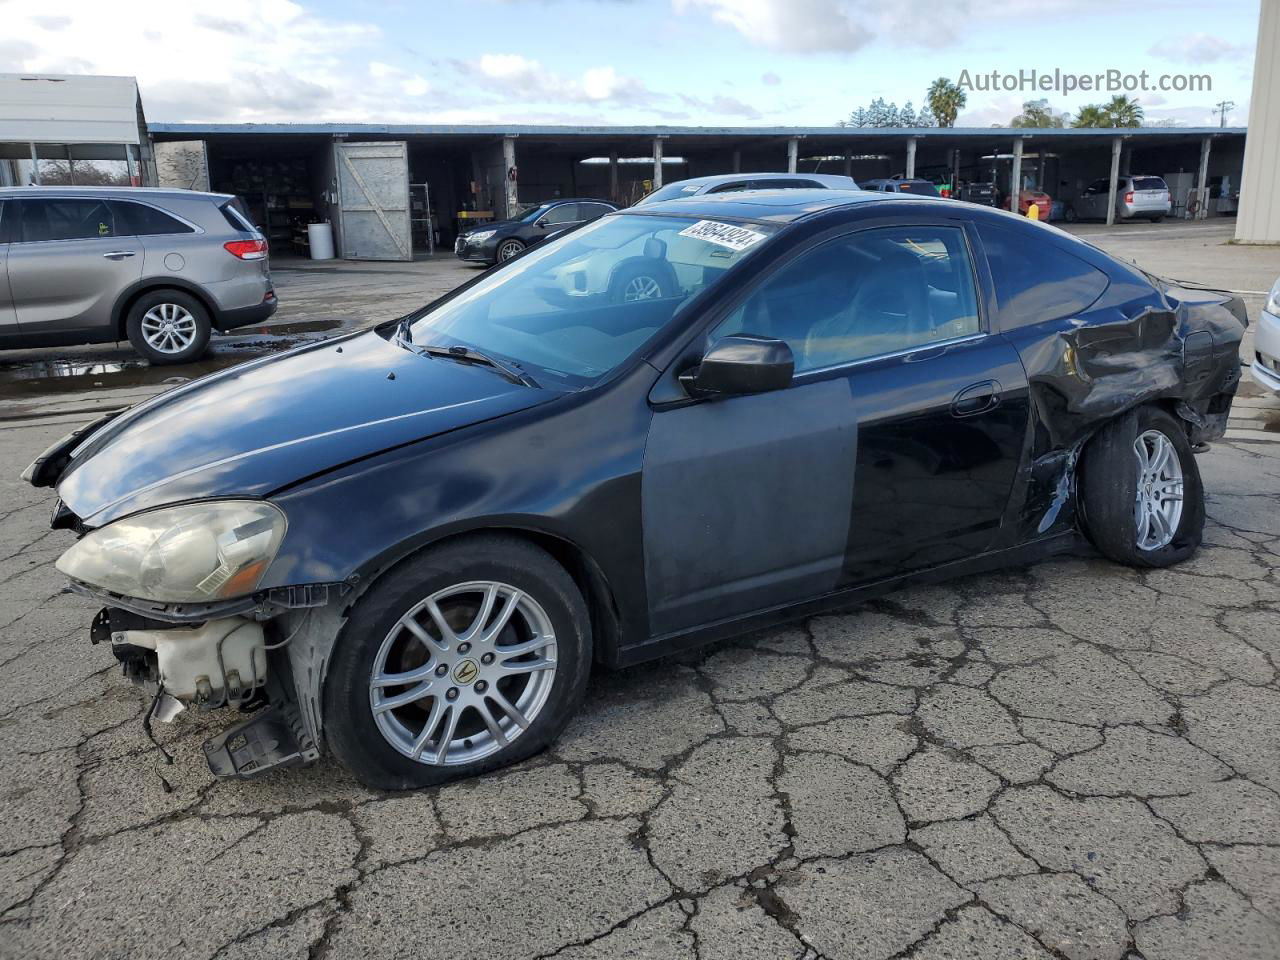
<point x="481" y="235"/>
<point x="194" y="553"/>
<point x="1272" y="305"/>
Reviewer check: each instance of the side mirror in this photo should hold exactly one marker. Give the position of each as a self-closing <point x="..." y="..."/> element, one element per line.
<point x="542" y="224"/>
<point x="742" y="363"/>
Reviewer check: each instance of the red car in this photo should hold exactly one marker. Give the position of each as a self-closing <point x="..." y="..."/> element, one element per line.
<point x="1028" y="197"/>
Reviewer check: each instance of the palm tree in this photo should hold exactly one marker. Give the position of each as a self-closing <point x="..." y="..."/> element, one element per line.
<point x="945" y="101"/>
<point x="1092" y="115"/>
<point x="1124" y="111"/>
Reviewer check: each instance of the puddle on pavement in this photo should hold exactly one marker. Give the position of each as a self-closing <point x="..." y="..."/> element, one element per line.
<point x="54" y="377"/>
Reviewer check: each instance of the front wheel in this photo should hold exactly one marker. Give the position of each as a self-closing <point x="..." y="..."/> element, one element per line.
<point x="508" y="249"/>
<point x="1069" y="215"/>
<point x="1140" y="490"/>
<point x="472" y="656"/>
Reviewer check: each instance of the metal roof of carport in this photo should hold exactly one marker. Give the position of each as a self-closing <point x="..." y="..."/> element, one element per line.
<point x="815" y="139"/>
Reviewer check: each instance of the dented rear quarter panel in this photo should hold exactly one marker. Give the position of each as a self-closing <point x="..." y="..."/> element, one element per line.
<point x="1141" y="341"/>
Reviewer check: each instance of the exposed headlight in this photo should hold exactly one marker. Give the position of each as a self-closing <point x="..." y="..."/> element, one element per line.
<point x="1273" y="301"/>
<point x="481" y="234"/>
<point x="193" y="553"/>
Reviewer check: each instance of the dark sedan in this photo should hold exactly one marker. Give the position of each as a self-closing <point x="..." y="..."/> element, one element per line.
<point x="409" y="545"/>
<point x="501" y="240"/>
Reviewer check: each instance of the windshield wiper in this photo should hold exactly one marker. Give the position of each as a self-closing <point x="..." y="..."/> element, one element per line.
<point x="472" y="355"/>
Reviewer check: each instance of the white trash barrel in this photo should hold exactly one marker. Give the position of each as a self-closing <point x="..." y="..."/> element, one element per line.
<point x="320" y="240"/>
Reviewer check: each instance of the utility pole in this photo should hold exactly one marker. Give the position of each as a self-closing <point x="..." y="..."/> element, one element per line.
<point x="1222" y="107"/>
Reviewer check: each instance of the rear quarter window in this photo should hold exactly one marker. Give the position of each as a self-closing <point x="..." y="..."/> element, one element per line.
<point x="236" y="219"/>
<point x="1035" y="280"/>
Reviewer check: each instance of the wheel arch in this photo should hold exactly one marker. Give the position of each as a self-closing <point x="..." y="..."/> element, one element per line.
<point x="590" y="578"/>
<point x="125" y="301"/>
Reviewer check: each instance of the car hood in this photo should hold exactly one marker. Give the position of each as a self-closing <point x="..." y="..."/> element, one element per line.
<point x="252" y="429"/>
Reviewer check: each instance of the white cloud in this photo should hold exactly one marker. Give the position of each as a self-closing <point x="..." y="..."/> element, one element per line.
<point x="1199" y="48"/>
<point x="770" y="79"/>
<point x="791" y="25"/>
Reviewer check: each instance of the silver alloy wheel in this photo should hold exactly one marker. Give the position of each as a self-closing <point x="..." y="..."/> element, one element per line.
<point x="169" y="328"/>
<point x="509" y="249"/>
<point x="641" y="288"/>
<point x="463" y="673"/>
<point x="1157" y="507"/>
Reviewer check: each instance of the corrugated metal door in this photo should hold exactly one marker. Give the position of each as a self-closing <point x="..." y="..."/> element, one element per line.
<point x="373" y="200"/>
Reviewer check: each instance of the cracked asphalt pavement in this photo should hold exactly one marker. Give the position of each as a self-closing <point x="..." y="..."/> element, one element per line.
<point x="1068" y="760"/>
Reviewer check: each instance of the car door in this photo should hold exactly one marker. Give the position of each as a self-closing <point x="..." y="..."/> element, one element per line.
<point x="68" y="263"/>
<point x="894" y="448"/>
<point x="8" y="317"/>
<point x="1095" y="200"/>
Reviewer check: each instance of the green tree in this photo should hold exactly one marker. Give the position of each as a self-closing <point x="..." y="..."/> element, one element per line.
<point x="881" y="114"/>
<point x="1124" y="111"/>
<point x="1091" y="115"/>
<point x="945" y="101"/>
<point x="1119" y="111"/>
<point x="1037" y="113"/>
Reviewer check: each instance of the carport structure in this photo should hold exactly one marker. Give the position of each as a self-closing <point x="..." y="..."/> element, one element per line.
<point x="455" y="175"/>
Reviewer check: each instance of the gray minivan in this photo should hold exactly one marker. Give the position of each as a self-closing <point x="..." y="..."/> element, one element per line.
<point x="162" y="268"/>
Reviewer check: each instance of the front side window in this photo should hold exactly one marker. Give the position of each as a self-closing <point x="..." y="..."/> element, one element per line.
<point x="65" y="220"/>
<point x="871" y="293"/>
<point x="573" y="309"/>
<point x="564" y="213"/>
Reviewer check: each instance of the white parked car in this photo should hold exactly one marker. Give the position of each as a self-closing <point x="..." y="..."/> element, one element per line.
<point x="1266" y="343"/>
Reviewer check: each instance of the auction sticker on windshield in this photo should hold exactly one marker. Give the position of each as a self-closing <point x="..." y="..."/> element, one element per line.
<point x="723" y="234"/>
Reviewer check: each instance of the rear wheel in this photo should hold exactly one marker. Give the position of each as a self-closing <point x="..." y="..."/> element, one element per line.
<point x="1140" y="490"/>
<point x="468" y="658"/>
<point x="1157" y="219"/>
<point x="168" y="326"/>
<point x="1069" y="214"/>
<point x="640" y="281"/>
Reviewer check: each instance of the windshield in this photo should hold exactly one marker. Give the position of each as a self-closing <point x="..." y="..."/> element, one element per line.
<point x="570" y="311"/>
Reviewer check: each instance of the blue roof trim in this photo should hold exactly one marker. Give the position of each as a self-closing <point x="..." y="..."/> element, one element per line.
<point x="335" y="129"/>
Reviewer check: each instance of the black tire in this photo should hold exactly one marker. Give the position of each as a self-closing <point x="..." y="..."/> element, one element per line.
<point x="1157" y="219"/>
<point x="507" y="250"/>
<point x="349" y="725"/>
<point x="1108" y="489"/>
<point x="1069" y="215"/>
<point x="160" y="301"/>
<point x="656" y="274"/>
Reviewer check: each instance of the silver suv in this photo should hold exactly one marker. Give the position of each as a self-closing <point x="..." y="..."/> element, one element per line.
<point x="1135" y="197"/>
<point x="99" y="264"/>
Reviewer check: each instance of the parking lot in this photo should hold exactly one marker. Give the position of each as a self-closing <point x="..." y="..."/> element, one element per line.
<point x="1072" y="759"/>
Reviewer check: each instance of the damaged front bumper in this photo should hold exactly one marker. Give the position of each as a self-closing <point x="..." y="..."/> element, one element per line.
<point x="223" y="662"/>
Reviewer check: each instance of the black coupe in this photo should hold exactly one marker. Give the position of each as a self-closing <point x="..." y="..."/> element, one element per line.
<point x="683" y="421"/>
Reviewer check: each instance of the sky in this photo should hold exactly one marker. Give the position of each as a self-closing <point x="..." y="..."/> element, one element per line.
<point x="678" y="62"/>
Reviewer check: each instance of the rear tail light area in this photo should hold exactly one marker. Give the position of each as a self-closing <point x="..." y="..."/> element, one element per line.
<point x="247" y="249"/>
<point x="1128" y="197"/>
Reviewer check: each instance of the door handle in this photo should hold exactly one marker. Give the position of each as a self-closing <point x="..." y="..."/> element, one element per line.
<point x="120" y="254"/>
<point x="976" y="398"/>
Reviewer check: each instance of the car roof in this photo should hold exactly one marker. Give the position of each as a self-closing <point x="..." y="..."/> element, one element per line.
<point x="119" y="193"/>
<point x="719" y="178"/>
<point x="546" y="203"/>
<point x="773" y="206"/>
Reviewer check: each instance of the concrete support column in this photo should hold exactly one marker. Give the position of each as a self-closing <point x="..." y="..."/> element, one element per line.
<point x="35" y="165"/>
<point x="737" y="162"/>
<point x="613" y="175"/>
<point x="848" y="164"/>
<point x="793" y="154"/>
<point x="657" y="162"/>
<point x="1015" y="176"/>
<point x="911" y="158"/>
<point x="510" y="187"/>
<point x="1259" y="217"/>
<point x="1043" y="170"/>
<point x="1115" y="176"/>
<point x="1202" y="181"/>
<point x="955" y="171"/>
